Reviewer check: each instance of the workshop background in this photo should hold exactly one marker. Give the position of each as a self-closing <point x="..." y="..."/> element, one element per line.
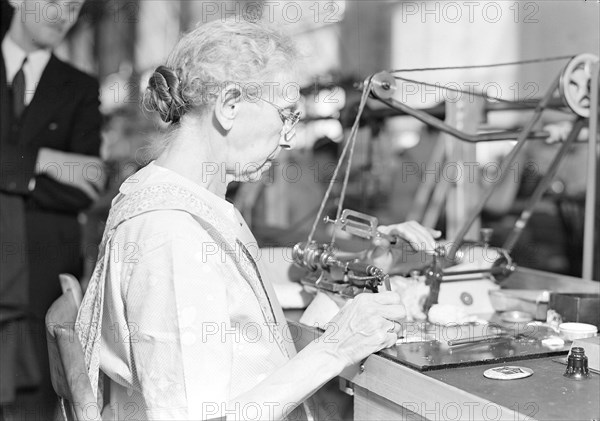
<point x="123" y="41"/>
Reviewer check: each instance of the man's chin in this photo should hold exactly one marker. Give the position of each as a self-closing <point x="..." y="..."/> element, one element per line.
<point x="49" y="38"/>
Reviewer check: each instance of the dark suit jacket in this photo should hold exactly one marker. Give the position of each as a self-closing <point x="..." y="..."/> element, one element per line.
<point x="6" y="12"/>
<point x="64" y="115"/>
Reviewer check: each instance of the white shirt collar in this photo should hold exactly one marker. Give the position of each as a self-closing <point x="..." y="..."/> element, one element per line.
<point x="33" y="69"/>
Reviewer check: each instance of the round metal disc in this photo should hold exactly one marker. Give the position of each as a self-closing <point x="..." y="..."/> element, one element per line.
<point x="575" y="82"/>
<point x="516" y="316"/>
<point x="383" y="85"/>
<point x="508" y="372"/>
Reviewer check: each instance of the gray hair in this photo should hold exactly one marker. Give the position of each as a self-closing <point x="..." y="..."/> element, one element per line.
<point x="213" y="55"/>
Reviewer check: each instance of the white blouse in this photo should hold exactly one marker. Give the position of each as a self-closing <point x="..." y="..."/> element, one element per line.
<point x="183" y="329"/>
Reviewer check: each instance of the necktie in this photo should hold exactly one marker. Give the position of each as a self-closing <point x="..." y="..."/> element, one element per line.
<point x="18" y="91"/>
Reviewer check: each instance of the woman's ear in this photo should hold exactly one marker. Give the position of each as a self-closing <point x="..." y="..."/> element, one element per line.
<point x="227" y="105"/>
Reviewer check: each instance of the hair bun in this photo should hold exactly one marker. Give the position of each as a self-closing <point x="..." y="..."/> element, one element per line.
<point x="164" y="95"/>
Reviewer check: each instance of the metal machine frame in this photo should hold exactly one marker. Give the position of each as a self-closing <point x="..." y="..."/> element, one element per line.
<point x="358" y="277"/>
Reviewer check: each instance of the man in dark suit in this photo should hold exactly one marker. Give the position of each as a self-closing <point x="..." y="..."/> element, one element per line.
<point x="49" y="143"/>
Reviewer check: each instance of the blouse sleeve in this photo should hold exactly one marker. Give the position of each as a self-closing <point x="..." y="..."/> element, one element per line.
<point x="176" y="307"/>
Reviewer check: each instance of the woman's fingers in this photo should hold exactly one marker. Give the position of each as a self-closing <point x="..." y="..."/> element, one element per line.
<point x="368" y="324"/>
<point x="391" y="335"/>
<point x="385" y="298"/>
<point x="390" y="340"/>
<point x="381" y="242"/>
<point x="419" y="237"/>
<point x="393" y="312"/>
<point x="395" y="327"/>
<point x="433" y="232"/>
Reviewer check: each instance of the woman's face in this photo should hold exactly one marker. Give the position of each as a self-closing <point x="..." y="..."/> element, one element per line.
<point x="262" y="128"/>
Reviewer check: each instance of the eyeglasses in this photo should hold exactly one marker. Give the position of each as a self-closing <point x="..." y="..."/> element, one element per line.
<point x="289" y="118"/>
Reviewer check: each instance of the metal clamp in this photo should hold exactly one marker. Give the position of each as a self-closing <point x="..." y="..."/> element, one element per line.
<point x="361" y="225"/>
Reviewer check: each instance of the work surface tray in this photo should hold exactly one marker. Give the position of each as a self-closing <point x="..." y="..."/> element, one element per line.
<point x="518" y="342"/>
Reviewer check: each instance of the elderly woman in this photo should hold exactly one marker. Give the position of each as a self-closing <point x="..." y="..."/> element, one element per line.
<point x="178" y="318"/>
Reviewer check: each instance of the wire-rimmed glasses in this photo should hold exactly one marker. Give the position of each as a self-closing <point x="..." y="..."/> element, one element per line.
<point x="288" y="118"/>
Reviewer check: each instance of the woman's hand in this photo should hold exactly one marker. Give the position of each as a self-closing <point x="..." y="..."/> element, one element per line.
<point x="417" y="236"/>
<point x="559" y="132"/>
<point x="413" y="293"/>
<point x="365" y="325"/>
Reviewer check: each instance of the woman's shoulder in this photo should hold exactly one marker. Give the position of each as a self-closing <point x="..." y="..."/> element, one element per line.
<point x="164" y="223"/>
<point x="155" y="205"/>
<point x="154" y="238"/>
<point x="146" y="176"/>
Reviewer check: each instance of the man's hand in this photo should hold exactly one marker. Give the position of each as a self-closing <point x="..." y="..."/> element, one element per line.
<point x="81" y="171"/>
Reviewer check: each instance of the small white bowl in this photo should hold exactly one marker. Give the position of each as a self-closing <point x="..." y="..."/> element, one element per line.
<point x="572" y="331"/>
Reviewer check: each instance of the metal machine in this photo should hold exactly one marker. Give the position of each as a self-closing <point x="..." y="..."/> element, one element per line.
<point x="348" y="275"/>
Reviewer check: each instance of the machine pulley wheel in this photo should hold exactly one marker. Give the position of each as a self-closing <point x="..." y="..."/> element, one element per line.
<point x="575" y="83"/>
<point x="383" y="85"/>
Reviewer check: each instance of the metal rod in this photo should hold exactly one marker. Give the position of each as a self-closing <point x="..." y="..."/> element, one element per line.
<point x="446" y="128"/>
<point x="468" y="272"/>
<point x="423" y="195"/>
<point x="555" y="103"/>
<point x="590" y="197"/>
<point x="478" y="340"/>
<point x="439" y="110"/>
<point x="353" y="132"/>
<point x="542" y="187"/>
<point x="508" y="160"/>
<point x="492" y="137"/>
